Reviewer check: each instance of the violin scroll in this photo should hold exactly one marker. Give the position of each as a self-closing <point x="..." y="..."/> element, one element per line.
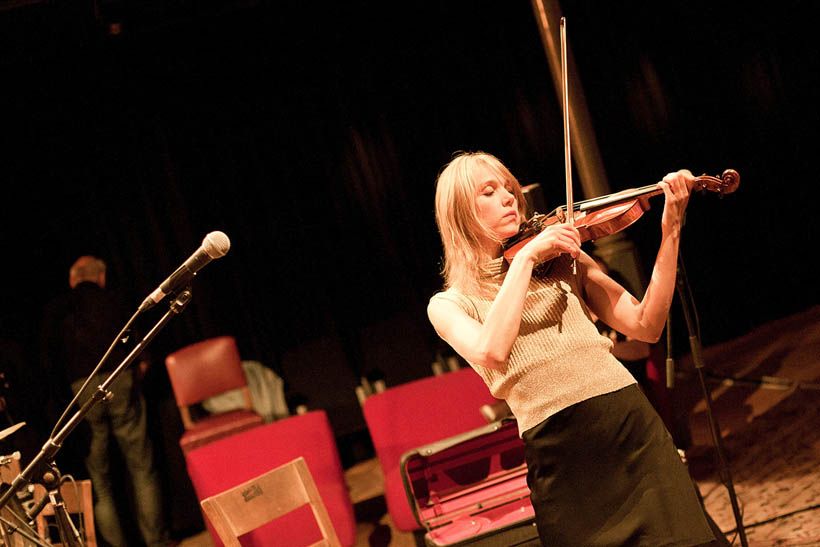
<point x="726" y="184"/>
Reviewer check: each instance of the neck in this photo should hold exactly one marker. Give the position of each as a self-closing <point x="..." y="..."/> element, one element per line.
<point x="490" y="248"/>
<point x="491" y="252"/>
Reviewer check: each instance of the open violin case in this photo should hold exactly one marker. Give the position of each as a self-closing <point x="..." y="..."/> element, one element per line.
<point x="471" y="489"/>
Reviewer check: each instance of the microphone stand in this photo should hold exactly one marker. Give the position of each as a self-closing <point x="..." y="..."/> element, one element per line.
<point x="687" y="305"/>
<point x="27" y="533"/>
<point x="44" y="461"/>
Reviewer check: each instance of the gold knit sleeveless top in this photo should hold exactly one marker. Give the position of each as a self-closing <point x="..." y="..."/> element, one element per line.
<point x="559" y="358"/>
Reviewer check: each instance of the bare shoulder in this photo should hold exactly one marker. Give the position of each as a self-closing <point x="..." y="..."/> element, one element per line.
<point x="445" y="313"/>
<point x="442" y="305"/>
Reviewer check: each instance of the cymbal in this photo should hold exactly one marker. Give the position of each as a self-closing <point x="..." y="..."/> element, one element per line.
<point x="9" y="430"/>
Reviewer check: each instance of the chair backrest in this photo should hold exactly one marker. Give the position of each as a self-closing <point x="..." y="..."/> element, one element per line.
<point x="77" y="499"/>
<point x="204" y="369"/>
<point x="267" y="497"/>
<point x="418" y="413"/>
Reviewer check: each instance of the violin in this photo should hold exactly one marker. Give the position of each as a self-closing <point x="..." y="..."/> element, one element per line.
<point x="599" y="217"/>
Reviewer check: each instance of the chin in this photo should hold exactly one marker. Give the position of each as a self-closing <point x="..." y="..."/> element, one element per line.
<point x="506" y="233"/>
<point x="510" y="229"/>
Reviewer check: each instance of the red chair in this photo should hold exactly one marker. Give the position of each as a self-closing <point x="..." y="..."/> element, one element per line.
<point x="418" y="413"/>
<point x="221" y="465"/>
<point x="200" y="371"/>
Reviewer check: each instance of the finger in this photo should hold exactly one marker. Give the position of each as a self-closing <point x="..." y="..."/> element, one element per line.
<point x="572" y="237"/>
<point x="681" y="187"/>
<point x="567" y="233"/>
<point x="571" y="246"/>
<point x="562" y="244"/>
<point x="571" y="232"/>
<point x="682" y="183"/>
<point x="673" y="180"/>
<point x="666" y="187"/>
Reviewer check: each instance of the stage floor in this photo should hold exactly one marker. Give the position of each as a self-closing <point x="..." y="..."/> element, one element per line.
<point x="765" y="393"/>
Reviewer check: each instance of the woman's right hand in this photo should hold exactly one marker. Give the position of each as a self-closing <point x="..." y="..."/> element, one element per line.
<point x="552" y="241"/>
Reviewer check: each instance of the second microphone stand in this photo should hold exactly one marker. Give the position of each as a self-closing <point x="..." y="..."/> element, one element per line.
<point x="687" y="305"/>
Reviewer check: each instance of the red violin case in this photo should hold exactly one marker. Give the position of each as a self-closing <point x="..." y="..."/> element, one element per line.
<point x="471" y="489"/>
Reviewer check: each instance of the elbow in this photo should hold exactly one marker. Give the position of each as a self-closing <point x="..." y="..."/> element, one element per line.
<point x="656" y="330"/>
<point x="654" y="338"/>
<point x="649" y="328"/>
<point x="650" y="334"/>
<point x="492" y="358"/>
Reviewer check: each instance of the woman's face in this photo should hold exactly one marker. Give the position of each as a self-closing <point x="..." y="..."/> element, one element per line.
<point x="496" y="204"/>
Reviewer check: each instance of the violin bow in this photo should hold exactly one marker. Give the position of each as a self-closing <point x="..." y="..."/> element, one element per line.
<point x="567" y="152"/>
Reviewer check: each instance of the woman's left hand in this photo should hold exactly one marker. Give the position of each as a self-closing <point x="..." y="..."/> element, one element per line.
<point x="676" y="188"/>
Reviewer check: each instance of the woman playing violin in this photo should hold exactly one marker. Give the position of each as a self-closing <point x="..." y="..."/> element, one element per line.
<point x="602" y="469"/>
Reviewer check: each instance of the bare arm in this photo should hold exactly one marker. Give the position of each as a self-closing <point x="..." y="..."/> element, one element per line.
<point x="489" y="343"/>
<point x="643" y="320"/>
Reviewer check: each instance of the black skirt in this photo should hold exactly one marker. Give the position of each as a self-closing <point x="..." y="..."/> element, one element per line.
<point x="605" y="472"/>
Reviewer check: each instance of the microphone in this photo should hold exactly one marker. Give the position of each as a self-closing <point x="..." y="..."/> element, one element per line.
<point x="215" y="245"/>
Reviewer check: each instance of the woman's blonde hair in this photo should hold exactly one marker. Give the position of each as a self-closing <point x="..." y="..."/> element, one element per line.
<point x="457" y="217"/>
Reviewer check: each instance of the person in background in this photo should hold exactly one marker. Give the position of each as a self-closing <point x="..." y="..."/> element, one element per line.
<point x="77" y="330"/>
<point x="602" y="468"/>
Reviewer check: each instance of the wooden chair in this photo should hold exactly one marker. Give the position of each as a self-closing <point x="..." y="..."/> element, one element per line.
<point x="200" y="371"/>
<point x="267" y="497"/>
<point x="75" y="505"/>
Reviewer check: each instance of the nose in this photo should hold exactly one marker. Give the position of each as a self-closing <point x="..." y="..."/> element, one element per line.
<point x="508" y="198"/>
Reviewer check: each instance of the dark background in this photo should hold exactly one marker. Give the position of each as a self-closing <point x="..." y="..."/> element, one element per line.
<point x="312" y="134"/>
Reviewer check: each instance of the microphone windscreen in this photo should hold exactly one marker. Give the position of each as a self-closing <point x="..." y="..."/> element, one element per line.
<point x="216" y="244"/>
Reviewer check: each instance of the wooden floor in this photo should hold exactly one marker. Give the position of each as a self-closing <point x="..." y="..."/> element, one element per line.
<point x="764" y="390"/>
<point x="199" y="540"/>
<point x="765" y="393"/>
